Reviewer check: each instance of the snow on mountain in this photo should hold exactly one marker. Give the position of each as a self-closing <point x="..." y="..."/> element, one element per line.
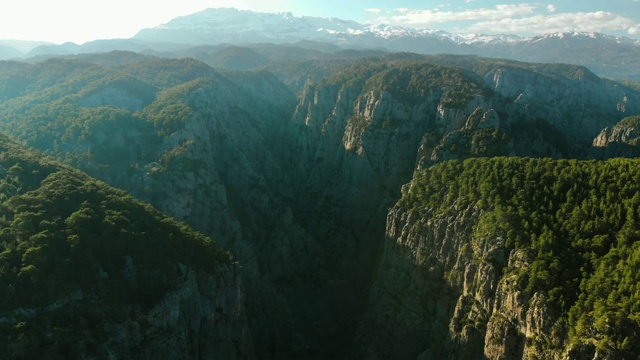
<point x="610" y="56"/>
<point x="282" y="27"/>
<point x="232" y="25"/>
<point x="575" y="35"/>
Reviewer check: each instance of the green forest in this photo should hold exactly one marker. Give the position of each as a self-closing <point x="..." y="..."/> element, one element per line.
<point x="64" y="235"/>
<point x="579" y="221"/>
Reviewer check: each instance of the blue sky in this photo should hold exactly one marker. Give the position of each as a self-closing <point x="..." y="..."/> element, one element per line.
<point x="84" y="20"/>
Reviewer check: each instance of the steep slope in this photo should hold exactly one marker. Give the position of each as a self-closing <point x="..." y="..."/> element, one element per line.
<point x="620" y="140"/>
<point x="361" y="131"/>
<point x="88" y="271"/>
<point x="214" y="168"/>
<point x="298" y="188"/>
<point x="200" y="151"/>
<point x="510" y="258"/>
<point x="533" y="102"/>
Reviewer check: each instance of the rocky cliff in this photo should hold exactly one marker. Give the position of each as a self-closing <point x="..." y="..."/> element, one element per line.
<point x="620" y="140"/>
<point x="216" y="171"/>
<point x="463" y="274"/>
<point x="360" y="133"/>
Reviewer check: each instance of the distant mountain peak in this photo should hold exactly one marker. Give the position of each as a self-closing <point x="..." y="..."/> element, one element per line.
<point x="243" y="27"/>
<point x="217" y="26"/>
<point x="233" y="25"/>
<point x="583" y="35"/>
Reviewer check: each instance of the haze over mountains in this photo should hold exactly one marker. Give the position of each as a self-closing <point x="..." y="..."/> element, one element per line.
<point x="609" y="56"/>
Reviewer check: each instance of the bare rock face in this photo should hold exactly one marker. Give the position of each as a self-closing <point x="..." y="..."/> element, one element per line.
<point x="617" y="134"/>
<point x="204" y="318"/>
<point x="619" y="140"/>
<point x="457" y="279"/>
<point x="118" y="96"/>
<point x="455" y="303"/>
<point x="580" y="106"/>
<point x="437" y="248"/>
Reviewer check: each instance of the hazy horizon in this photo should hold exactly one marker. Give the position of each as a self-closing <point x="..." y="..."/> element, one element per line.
<point x="79" y="22"/>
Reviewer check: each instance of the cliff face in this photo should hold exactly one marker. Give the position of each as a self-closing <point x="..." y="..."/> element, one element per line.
<point x="459" y="278"/>
<point x="204" y="318"/>
<point x="620" y="140"/>
<point x="580" y="104"/>
<point x="372" y="124"/>
<point x="302" y="202"/>
<point x="217" y="172"/>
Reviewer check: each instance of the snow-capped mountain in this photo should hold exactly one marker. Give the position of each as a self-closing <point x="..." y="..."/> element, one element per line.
<point x="609" y="56"/>
<point x="222" y="25"/>
<point x="606" y="55"/>
<point x="213" y="26"/>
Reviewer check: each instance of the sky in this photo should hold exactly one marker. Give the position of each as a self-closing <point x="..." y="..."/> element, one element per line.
<point x="80" y="21"/>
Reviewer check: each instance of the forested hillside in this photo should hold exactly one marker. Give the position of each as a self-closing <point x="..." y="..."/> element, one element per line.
<point x="292" y="168"/>
<point x="511" y="258"/>
<point x="88" y="271"/>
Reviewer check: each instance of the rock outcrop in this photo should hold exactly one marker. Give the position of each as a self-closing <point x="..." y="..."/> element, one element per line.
<point x="580" y="104"/>
<point x="450" y="282"/>
<point x="620" y="140"/>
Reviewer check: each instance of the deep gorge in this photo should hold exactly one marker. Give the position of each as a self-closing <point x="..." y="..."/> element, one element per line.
<point x="303" y="177"/>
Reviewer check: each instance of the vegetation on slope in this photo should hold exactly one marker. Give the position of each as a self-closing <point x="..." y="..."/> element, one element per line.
<point x="630" y="122"/>
<point x="101" y="118"/>
<point x="116" y="135"/>
<point x="579" y="221"/>
<point x="75" y="252"/>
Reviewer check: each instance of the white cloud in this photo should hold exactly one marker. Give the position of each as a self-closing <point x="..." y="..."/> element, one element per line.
<point x="523" y="18"/>
<point x="427" y="17"/>
<point x="598" y="21"/>
<point x="374" y="11"/>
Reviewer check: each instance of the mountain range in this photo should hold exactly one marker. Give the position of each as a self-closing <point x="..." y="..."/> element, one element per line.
<point x="608" y="56"/>
<point x="343" y="188"/>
